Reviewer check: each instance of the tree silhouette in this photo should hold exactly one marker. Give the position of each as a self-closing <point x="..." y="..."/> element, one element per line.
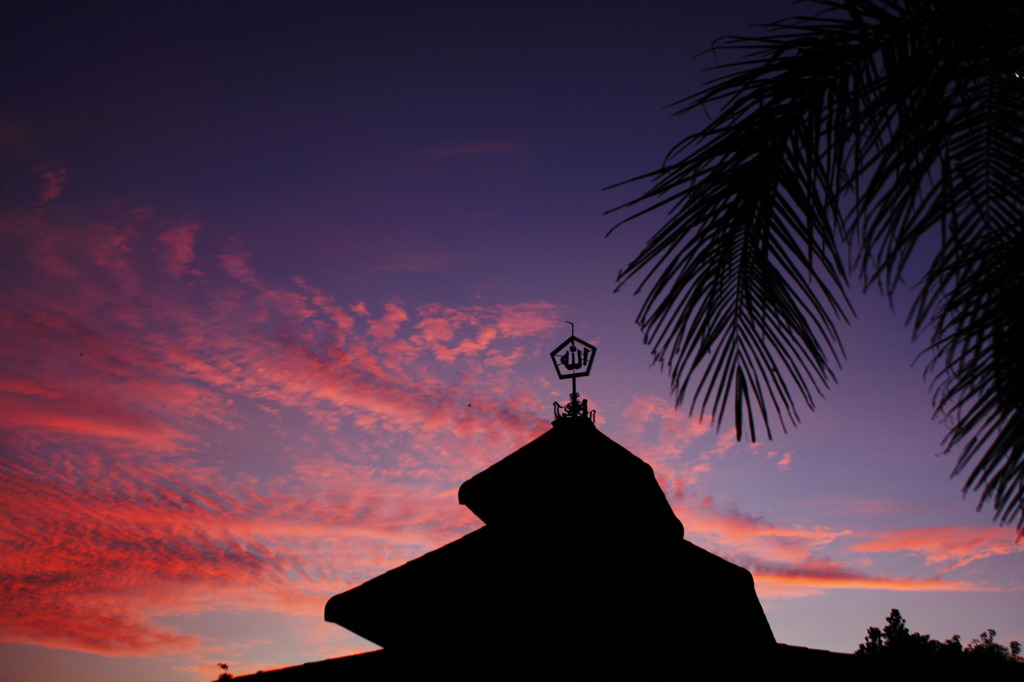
<point x="986" y="649"/>
<point x="866" y="137"/>
<point x="896" y="639"/>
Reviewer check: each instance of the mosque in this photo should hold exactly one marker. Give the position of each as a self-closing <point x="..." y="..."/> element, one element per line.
<point x="582" y="570"/>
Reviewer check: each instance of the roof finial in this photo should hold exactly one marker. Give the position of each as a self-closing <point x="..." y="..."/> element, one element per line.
<point x="573" y="358"/>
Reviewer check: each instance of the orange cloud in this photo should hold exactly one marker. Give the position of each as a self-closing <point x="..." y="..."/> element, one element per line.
<point x="784" y="461"/>
<point x="953" y="546"/>
<point x="814" y="578"/>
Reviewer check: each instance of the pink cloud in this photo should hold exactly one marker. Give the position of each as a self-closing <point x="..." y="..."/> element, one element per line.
<point x="953" y="546"/>
<point x="664" y="431"/>
<point x="122" y="405"/>
<point x="439" y="325"/>
<point x="342" y="320"/>
<point x="387" y="326"/>
<point x="784" y="460"/>
<point x="53" y="180"/>
<point x="110" y="246"/>
<point x="238" y="265"/>
<point x="468" y="346"/>
<point x="265" y="444"/>
<point x="787" y="560"/>
<point x="754" y="537"/>
<point x="91" y="422"/>
<point x="178" y="545"/>
<point x="179" y="249"/>
<point x="434" y="331"/>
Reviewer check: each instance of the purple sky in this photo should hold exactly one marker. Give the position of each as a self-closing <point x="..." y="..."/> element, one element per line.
<point x="276" y="280"/>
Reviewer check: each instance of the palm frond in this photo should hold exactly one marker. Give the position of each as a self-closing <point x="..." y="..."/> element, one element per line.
<point x="874" y="125"/>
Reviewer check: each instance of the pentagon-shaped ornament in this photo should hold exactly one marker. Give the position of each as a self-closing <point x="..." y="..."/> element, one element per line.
<point x="573" y="358"/>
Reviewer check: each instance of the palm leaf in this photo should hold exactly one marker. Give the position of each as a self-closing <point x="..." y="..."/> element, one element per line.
<point x="875" y="126"/>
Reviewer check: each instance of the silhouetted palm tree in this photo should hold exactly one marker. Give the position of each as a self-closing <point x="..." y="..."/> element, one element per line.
<point x="855" y="137"/>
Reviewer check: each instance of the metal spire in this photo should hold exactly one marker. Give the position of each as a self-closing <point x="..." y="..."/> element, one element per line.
<point x="573" y="358"/>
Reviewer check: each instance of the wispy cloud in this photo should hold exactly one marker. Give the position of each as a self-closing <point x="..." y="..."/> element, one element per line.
<point x="754" y="537"/>
<point x="790" y="560"/>
<point x="815" y="578"/>
<point x="53" y="179"/>
<point x="129" y="405"/>
<point x="654" y="426"/>
<point x="949" y="546"/>
<point x="784" y="460"/>
<point x="181" y="444"/>
<point x="178" y="249"/>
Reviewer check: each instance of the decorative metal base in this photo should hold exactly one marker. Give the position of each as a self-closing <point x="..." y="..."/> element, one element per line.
<point x="573" y="358"/>
<point x="574" y="409"/>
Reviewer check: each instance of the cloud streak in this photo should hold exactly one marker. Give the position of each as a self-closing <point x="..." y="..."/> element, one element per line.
<point x="182" y="441"/>
<point x="53" y="179"/>
<point x="128" y="389"/>
<point x="950" y="546"/>
<point x="793" y="561"/>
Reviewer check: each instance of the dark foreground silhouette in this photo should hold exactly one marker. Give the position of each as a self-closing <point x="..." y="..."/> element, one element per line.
<point x="984" y="655"/>
<point x="580" y="547"/>
<point x="581" y="571"/>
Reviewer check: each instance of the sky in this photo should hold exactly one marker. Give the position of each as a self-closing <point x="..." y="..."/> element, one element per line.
<point x="276" y="280"/>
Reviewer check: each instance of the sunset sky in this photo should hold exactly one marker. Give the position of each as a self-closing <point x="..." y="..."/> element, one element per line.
<point x="276" y="279"/>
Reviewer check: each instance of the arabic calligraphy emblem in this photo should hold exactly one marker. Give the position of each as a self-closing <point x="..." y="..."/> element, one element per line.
<point x="573" y="358"/>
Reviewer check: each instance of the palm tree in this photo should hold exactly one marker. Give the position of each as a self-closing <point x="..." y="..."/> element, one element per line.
<point x="849" y="140"/>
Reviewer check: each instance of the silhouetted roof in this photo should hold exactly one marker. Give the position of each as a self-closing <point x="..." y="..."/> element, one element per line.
<point x="571" y="470"/>
<point x="580" y="546"/>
